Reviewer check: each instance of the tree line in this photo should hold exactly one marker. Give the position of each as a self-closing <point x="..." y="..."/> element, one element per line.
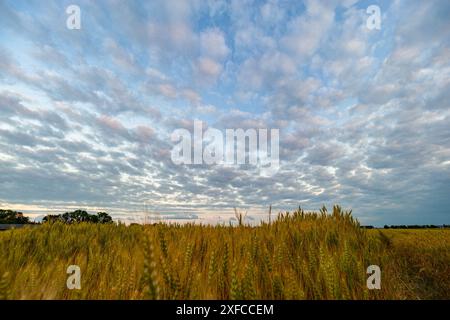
<point x="416" y="226"/>
<point x="13" y="217"/>
<point x="16" y="217"/>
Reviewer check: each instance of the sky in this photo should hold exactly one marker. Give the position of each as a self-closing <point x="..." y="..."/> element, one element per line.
<point x="86" y="115"/>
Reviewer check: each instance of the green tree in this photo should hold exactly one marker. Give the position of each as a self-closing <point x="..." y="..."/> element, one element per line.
<point x="13" y="217"/>
<point x="103" y="217"/>
<point x="80" y="216"/>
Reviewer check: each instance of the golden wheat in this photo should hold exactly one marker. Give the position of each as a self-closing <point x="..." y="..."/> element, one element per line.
<point x="297" y="256"/>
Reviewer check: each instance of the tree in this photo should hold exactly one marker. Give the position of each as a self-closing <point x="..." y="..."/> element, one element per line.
<point x="13" y="217"/>
<point x="103" y="217"/>
<point x="52" y="218"/>
<point x="80" y="216"/>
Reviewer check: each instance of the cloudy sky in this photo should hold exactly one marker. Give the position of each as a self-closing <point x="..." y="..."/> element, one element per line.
<point x="364" y="116"/>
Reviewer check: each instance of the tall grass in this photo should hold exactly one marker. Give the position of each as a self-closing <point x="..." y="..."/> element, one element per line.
<point x="299" y="255"/>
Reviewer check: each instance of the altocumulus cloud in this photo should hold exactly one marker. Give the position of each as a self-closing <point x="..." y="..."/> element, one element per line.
<point x="86" y="115"/>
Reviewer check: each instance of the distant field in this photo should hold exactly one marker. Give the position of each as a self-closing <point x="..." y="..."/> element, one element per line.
<point x="298" y="256"/>
<point x="424" y="257"/>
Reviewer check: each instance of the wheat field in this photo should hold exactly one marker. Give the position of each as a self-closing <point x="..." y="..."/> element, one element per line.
<point x="298" y="256"/>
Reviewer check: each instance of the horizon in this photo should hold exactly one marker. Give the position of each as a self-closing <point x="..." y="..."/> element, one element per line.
<point x="89" y="111"/>
<point x="225" y="218"/>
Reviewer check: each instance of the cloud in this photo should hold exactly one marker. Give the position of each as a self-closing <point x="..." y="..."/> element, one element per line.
<point x="213" y="52"/>
<point x="120" y="56"/>
<point x="213" y="45"/>
<point x="306" y="31"/>
<point x="208" y="67"/>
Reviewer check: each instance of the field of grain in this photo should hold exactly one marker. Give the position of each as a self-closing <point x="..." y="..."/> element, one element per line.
<point x="298" y="256"/>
